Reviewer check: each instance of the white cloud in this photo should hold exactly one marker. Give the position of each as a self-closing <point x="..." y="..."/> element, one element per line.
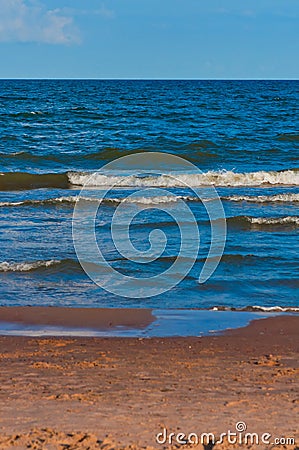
<point x="30" y="21"/>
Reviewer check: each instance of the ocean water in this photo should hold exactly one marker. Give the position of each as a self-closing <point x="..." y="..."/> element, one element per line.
<point x="243" y="136"/>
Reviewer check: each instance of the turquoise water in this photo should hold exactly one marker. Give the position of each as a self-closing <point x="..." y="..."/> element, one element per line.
<point x="242" y="135"/>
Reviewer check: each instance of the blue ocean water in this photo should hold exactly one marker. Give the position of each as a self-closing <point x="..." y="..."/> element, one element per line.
<point x="242" y="135"/>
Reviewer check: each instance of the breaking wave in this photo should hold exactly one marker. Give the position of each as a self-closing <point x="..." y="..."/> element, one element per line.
<point x="210" y="178"/>
<point x="116" y="200"/>
<point x="264" y="198"/>
<point x="35" y="266"/>
<point x="248" y="221"/>
<point x="26" y="266"/>
<point x="244" y="221"/>
<point x="258" y="308"/>
<point x="48" y="201"/>
<point x="274" y="221"/>
<point x="24" y="180"/>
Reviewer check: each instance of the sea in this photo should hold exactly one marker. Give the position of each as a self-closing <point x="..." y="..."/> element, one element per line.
<point x="235" y="140"/>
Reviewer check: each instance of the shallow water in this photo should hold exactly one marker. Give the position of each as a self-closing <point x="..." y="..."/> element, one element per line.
<point x="166" y="323"/>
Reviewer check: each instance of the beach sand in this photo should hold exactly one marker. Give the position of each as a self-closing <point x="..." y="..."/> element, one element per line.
<point x="89" y="393"/>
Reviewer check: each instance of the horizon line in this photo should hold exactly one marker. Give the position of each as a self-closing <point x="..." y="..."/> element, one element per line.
<point x="151" y="79"/>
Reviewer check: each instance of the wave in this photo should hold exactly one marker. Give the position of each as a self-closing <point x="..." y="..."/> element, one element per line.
<point x="239" y="222"/>
<point x="257" y="308"/>
<point x="230" y="258"/>
<point x="117" y="200"/>
<point x="248" y="221"/>
<point x="25" y="180"/>
<point x="110" y="153"/>
<point x="210" y="178"/>
<point x="15" y="97"/>
<point x="49" y="201"/>
<point x="242" y="221"/>
<point x="294" y="220"/>
<point x="153" y="200"/>
<point x="32" y="266"/>
<point x="264" y="198"/>
<point x="194" y="152"/>
<point x="28" y="114"/>
<point x="102" y="155"/>
<point x="72" y="265"/>
<point x="26" y="266"/>
<point x="34" y="157"/>
<point x="288" y="137"/>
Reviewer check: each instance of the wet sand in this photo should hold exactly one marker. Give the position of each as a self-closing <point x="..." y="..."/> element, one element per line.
<point x="89" y="393"/>
<point x="93" y="318"/>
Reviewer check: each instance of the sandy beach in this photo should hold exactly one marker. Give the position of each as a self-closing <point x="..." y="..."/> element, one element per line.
<point x="89" y="393"/>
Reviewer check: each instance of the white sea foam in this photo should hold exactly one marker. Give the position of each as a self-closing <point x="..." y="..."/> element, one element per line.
<point x="275" y="308"/>
<point x="264" y="198"/>
<point x="72" y="199"/>
<point x="257" y="308"/>
<point x="211" y="178"/>
<point x="152" y="200"/>
<point x="47" y="201"/>
<point x="26" y="266"/>
<point x="11" y="203"/>
<point x="274" y="220"/>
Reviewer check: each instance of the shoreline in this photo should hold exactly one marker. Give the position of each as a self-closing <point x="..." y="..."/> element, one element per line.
<point x="124" y="322"/>
<point x="123" y="391"/>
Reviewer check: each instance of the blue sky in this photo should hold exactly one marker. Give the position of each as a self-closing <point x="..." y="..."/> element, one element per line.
<point x="149" y="38"/>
